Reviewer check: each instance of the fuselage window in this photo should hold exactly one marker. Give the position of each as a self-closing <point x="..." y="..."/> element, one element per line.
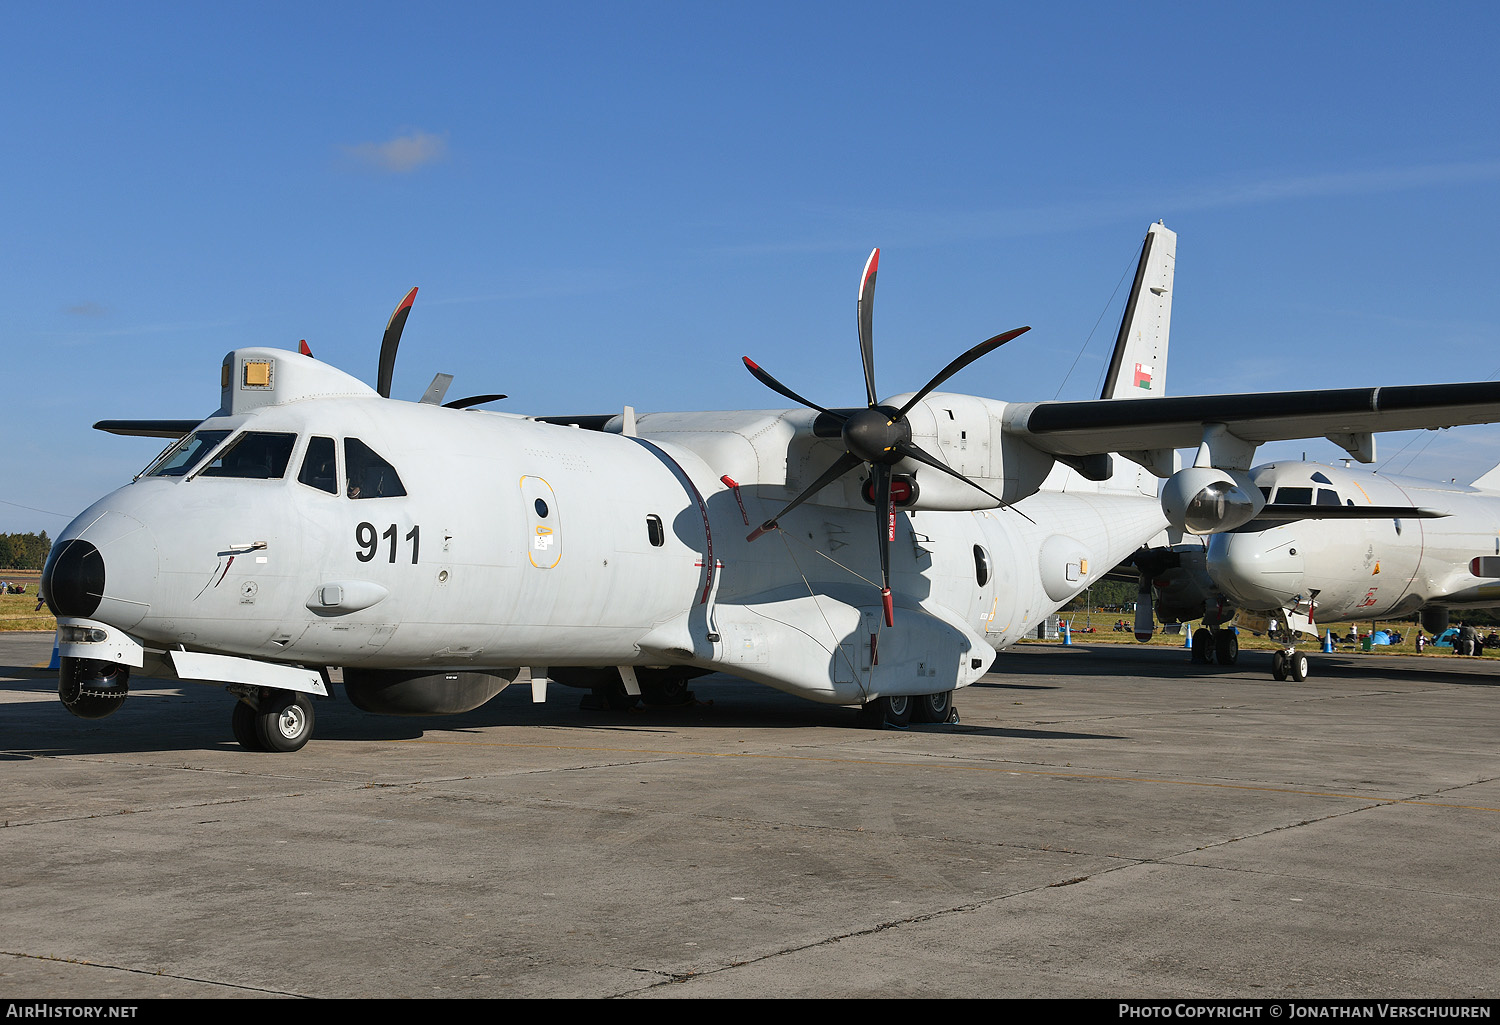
<point x="181" y="457"/>
<point x="369" y="475"/>
<point x="318" y="470"/>
<point x="1294" y="496"/>
<point x="254" y="455"/>
<point x="655" y="531"/>
<point x="981" y="565"/>
<point x="541" y="508"/>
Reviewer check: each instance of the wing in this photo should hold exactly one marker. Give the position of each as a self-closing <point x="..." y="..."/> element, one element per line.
<point x="1346" y="416"/>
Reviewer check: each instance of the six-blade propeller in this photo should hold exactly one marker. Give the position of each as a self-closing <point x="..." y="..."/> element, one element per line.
<point x="879" y="436"/>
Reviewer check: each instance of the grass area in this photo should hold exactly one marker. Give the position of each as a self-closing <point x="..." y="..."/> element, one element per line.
<point x="18" y="611"/>
<point x="1103" y="624"/>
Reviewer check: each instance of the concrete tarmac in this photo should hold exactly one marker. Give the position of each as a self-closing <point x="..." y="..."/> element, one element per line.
<point x="1106" y="821"/>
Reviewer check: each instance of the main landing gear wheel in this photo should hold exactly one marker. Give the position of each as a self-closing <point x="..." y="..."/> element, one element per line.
<point x="242" y="721"/>
<point x="933" y="708"/>
<point x="1203" y="646"/>
<point x="1226" y="648"/>
<point x="1278" y="665"/>
<point x="894" y="710"/>
<point x="284" y="722"/>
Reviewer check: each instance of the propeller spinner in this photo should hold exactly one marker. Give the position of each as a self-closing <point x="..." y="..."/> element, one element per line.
<point x="877" y="436"/>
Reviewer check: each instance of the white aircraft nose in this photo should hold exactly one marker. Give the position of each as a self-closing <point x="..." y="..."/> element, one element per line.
<point x="103" y="569"/>
<point x="1257" y="570"/>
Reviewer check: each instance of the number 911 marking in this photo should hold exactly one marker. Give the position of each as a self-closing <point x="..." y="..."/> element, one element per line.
<point x="368" y="539"/>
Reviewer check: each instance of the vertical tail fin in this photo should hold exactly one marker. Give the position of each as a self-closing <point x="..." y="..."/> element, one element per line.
<point x="1138" y="368"/>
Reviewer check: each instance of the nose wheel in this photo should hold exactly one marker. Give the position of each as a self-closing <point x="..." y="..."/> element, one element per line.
<point x="1294" y="664"/>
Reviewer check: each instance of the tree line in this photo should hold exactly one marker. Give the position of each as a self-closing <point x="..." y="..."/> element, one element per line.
<point x="24" y="551"/>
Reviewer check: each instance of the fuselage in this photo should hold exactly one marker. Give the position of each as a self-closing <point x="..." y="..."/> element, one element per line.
<point x="359" y="531"/>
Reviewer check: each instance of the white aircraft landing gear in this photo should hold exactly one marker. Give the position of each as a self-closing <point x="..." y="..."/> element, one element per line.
<point x="1216" y="644"/>
<point x="1290" y="662"/>
<point x="900" y="710"/>
<point x="272" y="720"/>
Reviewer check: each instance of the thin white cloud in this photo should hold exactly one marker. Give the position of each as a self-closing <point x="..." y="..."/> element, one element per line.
<point x="842" y="225"/>
<point x="402" y="154"/>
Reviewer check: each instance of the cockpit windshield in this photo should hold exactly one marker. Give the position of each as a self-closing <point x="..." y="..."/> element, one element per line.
<point x="257" y="455"/>
<point x="183" y="456"/>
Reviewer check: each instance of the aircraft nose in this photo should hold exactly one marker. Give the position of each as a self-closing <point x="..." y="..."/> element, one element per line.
<point x="105" y="571"/>
<point x="1257" y="570"/>
<point x="73" y="578"/>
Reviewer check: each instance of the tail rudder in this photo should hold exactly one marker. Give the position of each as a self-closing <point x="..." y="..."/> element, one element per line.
<point x="1138" y="368"/>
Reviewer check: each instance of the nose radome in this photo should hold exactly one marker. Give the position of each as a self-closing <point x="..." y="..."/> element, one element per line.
<point x="73" y="578"/>
<point x="106" y="571"/>
<point x="1258" y="570"/>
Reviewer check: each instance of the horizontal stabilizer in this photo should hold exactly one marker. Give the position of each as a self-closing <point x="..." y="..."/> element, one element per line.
<point x="148" y="428"/>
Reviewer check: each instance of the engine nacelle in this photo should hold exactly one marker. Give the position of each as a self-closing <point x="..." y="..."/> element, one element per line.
<point x="423" y="691"/>
<point x="1205" y="500"/>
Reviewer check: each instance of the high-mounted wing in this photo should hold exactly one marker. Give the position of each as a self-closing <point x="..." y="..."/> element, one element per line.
<point x="1346" y="416"/>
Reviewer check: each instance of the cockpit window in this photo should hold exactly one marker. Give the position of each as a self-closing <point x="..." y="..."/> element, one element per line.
<point x="1318" y="478"/>
<point x="183" y="456"/>
<point x="254" y="455"/>
<point x="1294" y="496"/>
<point x="369" y="475"/>
<point x="1326" y="497"/>
<point x="318" y="470"/>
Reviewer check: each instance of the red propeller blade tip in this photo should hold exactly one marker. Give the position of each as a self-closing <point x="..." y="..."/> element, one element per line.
<point x="890" y="609"/>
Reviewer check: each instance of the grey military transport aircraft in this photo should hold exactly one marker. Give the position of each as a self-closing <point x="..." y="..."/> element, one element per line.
<point x="1336" y="545"/>
<point x="430" y="550"/>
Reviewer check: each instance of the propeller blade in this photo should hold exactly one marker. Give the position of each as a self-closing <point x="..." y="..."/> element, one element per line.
<point x="473" y="400"/>
<point x="781" y="389"/>
<point x="841" y="466"/>
<point x="388" y="344"/>
<point x="866" y="322"/>
<point x="885" y="528"/>
<point x="952" y="368"/>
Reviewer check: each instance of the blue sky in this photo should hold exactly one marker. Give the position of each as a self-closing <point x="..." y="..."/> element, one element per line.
<point x="612" y="203"/>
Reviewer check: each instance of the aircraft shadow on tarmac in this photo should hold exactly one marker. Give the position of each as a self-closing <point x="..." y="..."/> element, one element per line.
<point x="167" y="715"/>
<point x="1254" y="665"/>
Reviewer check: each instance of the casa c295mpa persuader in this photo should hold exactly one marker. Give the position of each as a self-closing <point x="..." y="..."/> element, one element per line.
<point x="873" y="556"/>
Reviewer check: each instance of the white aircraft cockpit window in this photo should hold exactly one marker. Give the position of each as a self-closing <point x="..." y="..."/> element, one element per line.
<point x="184" y="455"/>
<point x="318" y="469"/>
<point x="1326" y="497"/>
<point x="369" y="475"/>
<point x="1294" y="496"/>
<point x="254" y="455"/>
